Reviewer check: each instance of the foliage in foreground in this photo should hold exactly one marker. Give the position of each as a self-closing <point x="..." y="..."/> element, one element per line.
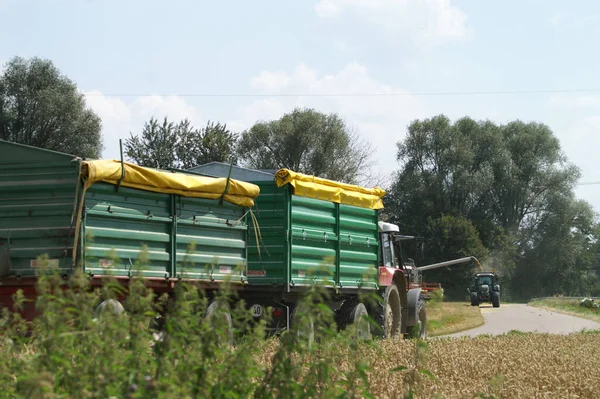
<point x="74" y="351"/>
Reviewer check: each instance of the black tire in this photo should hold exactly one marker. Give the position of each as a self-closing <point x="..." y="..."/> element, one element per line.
<point x="496" y="299"/>
<point x="474" y="299"/>
<point x="389" y="314"/>
<point x="355" y="314"/>
<point x="221" y="310"/>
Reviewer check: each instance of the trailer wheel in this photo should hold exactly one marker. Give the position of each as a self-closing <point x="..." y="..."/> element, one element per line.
<point x="304" y="325"/>
<point x="219" y="316"/>
<point x="355" y="315"/>
<point x="110" y="305"/>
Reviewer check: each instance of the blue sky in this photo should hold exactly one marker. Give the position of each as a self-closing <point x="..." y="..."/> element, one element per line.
<point x="136" y="59"/>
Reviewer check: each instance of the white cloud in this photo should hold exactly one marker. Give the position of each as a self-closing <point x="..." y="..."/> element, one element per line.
<point x="120" y="118"/>
<point x="426" y="22"/>
<point x="382" y="120"/>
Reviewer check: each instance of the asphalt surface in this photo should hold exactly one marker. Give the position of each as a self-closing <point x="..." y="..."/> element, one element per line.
<point x="528" y="319"/>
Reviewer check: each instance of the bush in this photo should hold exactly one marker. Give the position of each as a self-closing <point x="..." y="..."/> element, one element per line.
<point x="75" y="350"/>
<point x="589" y="303"/>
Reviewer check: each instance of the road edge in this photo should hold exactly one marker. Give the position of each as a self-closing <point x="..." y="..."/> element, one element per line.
<point x="566" y="312"/>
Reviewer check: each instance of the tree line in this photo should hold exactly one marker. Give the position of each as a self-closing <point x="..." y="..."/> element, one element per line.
<point x="501" y="192"/>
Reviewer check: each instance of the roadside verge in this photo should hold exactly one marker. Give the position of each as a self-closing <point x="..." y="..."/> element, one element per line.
<point x="451" y="317"/>
<point x="569" y="306"/>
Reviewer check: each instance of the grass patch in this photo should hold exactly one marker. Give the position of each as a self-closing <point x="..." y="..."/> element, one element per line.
<point x="452" y="317"/>
<point x="567" y="306"/>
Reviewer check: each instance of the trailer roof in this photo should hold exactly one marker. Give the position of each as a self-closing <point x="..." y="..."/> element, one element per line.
<point x="220" y="169"/>
<point x="148" y="179"/>
<point x="16" y="153"/>
<point x="329" y="190"/>
<point x="187" y="185"/>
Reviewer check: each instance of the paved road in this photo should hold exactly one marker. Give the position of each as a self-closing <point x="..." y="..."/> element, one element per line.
<point x="526" y="318"/>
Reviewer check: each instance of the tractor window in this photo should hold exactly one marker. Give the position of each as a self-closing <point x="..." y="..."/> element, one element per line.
<point x="484" y="280"/>
<point x="387" y="251"/>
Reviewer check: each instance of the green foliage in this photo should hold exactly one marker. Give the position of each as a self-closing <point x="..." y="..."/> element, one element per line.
<point x="75" y="350"/>
<point x="451" y="237"/>
<point x="307" y="141"/>
<point x="43" y="108"/>
<point x="170" y="145"/>
<point x="515" y="186"/>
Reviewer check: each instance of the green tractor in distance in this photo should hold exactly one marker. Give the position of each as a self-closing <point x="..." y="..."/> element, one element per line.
<point x="485" y="288"/>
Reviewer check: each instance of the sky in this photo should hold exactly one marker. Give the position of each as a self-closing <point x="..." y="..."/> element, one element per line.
<point x="239" y="62"/>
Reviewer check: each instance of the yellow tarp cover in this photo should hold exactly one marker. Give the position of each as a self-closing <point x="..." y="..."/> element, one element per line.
<point x="109" y="171"/>
<point x="328" y="190"/>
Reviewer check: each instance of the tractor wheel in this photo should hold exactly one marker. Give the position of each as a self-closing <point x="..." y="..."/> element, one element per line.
<point x="419" y="330"/>
<point x="474" y="299"/>
<point x="496" y="299"/>
<point x="219" y="316"/>
<point x="389" y="313"/>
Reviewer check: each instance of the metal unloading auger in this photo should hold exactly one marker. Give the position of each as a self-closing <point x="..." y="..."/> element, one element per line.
<point x="417" y="270"/>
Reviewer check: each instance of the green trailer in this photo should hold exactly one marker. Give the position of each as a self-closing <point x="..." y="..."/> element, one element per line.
<point x="303" y="240"/>
<point x="99" y="216"/>
<point x="313" y="230"/>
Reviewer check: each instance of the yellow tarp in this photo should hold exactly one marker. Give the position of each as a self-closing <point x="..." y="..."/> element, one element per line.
<point x="328" y="190"/>
<point x="109" y="171"/>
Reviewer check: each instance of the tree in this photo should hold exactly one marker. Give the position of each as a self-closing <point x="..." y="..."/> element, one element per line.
<point x="451" y="237"/>
<point x="309" y="142"/>
<point x="41" y="107"/>
<point x="213" y="143"/>
<point x="170" y="145"/>
<point x="512" y="182"/>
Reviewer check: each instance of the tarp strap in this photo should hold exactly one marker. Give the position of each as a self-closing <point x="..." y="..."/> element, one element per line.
<point x="78" y="221"/>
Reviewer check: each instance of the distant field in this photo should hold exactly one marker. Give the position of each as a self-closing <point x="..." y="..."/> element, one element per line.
<point x="567" y="306"/>
<point x="451" y="317"/>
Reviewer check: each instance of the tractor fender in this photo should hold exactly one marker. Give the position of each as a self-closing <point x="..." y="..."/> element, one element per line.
<point x="412" y="300"/>
<point x="400" y="281"/>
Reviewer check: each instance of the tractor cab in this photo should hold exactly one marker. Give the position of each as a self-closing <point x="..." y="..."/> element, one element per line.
<point x="488" y="279"/>
<point x="393" y="247"/>
<point x="395" y="251"/>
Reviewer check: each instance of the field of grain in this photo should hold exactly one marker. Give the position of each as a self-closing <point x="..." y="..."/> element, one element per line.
<point x="515" y="365"/>
<point x="511" y="366"/>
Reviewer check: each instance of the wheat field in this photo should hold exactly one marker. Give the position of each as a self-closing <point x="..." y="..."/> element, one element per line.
<point x="515" y="365"/>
